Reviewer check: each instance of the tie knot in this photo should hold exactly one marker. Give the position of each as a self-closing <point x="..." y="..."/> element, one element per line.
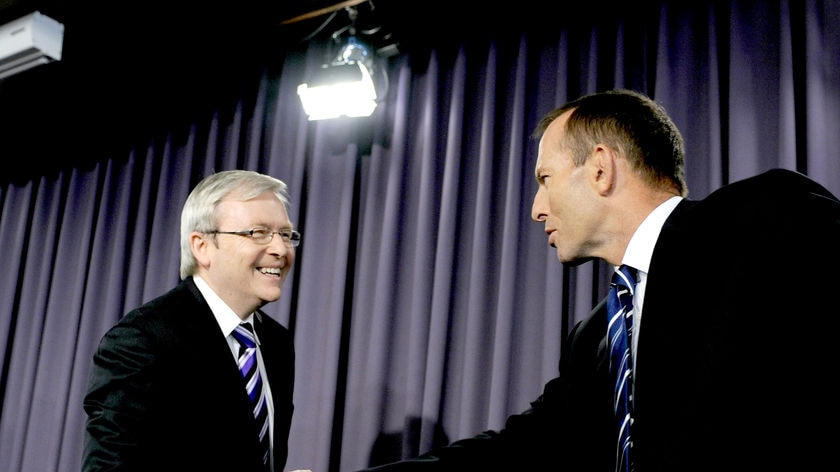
<point x="244" y="333"/>
<point x="625" y="276"/>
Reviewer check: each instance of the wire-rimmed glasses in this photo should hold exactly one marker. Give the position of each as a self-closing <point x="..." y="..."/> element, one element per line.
<point x="265" y="235"/>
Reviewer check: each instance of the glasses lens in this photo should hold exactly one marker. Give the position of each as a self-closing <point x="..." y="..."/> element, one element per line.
<point x="294" y="237"/>
<point x="290" y="237"/>
<point x="264" y="236"/>
<point x="261" y="235"/>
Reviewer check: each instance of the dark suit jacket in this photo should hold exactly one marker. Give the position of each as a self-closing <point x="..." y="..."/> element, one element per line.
<point x="735" y="357"/>
<point x="165" y="393"/>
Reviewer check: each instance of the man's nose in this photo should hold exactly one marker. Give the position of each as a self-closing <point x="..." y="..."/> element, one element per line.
<point x="538" y="211"/>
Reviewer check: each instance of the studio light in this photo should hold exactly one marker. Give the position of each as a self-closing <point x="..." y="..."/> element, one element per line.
<point x="344" y="87"/>
<point x="353" y="80"/>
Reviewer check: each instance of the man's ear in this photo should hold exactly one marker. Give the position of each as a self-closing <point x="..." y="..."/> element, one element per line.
<point x="603" y="169"/>
<point x="200" y="247"/>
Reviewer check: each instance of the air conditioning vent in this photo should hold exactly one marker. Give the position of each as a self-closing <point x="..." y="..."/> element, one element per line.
<point x="29" y="41"/>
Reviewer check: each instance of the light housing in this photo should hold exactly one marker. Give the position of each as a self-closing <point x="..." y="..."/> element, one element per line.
<point x="344" y="87"/>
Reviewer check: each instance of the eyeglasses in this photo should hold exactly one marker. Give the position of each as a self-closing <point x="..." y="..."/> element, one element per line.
<point x="264" y="235"/>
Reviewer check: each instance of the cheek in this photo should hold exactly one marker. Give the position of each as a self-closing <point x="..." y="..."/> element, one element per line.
<point x="540" y="203"/>
<point x="556" y="201"/>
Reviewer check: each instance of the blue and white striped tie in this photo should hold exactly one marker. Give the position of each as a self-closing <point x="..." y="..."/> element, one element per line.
<point x="620" y="330"/>
<point x="244" y="333"/>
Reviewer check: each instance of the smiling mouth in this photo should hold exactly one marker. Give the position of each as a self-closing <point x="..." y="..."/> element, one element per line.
<point x="270" y="271"/>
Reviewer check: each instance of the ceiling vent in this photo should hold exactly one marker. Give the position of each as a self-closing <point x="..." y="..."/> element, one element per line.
<point x="29" y="41"/>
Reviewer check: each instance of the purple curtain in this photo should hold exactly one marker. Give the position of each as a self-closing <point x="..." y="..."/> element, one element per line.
<point x="425" y="303"/>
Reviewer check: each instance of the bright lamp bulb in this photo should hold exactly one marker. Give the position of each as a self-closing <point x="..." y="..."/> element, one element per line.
<point x="339" y="96"/>
<point x="343" y="88"/>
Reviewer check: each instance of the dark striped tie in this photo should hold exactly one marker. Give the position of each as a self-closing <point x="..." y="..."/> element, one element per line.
<point x="244" y="333"/>
<point x="620" y="330"/>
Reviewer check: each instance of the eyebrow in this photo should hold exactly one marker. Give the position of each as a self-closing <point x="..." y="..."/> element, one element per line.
<point x="537" y="170"/>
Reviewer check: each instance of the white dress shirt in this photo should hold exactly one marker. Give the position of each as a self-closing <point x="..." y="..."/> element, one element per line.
<point x="638" y="254"/>
<point x="228" y="321"/>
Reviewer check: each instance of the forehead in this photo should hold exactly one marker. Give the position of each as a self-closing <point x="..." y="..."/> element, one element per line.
<point x="555" y="130"/>
<point x="551" y="140"/>
<point x="265" y="208"/>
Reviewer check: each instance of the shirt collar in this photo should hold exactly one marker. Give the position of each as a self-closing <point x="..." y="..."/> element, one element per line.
<point x="225" y="316"/>
<point x="640" y="249"/>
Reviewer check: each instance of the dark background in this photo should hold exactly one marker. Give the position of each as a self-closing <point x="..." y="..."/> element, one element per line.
<point x="131" y="69"/>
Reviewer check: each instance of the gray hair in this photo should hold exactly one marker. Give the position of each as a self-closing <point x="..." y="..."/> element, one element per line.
<point x="199" y="212"/>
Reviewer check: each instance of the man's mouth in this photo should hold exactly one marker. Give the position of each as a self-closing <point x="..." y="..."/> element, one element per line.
<point x="270" y="270"/>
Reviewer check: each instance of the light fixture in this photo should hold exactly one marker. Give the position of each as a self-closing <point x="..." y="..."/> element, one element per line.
<point x="346" y="86"/>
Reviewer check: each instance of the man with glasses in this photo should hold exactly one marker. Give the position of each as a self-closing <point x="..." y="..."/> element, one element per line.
<point x="200" y="378"/>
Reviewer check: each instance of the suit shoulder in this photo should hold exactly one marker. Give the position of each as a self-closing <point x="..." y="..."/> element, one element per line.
<point x="183" y="298"/>
<point x="776" y="184"/>
<point x="767" y="195"/>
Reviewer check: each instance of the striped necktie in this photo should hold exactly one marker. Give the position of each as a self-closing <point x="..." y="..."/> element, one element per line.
<point x="244" y="333"/>
<point x="620" y="330"/>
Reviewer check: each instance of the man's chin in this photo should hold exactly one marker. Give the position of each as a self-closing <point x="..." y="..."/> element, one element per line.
<point x="573" y="261"/>
<point x="269" y="296"/>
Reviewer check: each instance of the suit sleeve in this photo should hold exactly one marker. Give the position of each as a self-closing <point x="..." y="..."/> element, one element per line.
<point x="118" y="393"/>
<point x="515" y="446"/>
<point x="564" y="418"/>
